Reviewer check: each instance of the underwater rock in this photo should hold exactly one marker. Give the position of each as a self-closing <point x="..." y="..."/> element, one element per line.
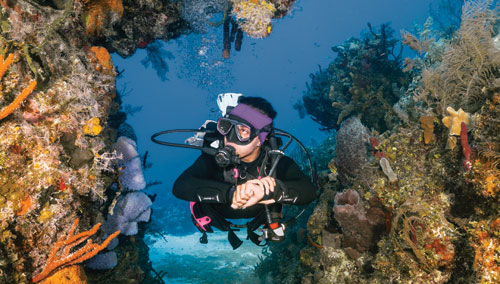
<point x="282" y="7"/>
<point x="333" y="240"/>
<point x="78" y="157"/>
<point x="254" y="17"/>
<point x="338" y="268"/>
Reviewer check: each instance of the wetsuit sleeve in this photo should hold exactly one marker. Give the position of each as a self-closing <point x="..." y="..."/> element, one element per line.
<point x="198" y="183"/>
<point x="292" y="185"/>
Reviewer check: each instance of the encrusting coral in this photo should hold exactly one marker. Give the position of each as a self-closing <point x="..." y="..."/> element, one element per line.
<point x="61" y="256"/>
<point x="254" y="16"/>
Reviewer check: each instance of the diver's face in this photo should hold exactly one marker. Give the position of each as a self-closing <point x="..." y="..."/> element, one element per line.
<point x="247" y="153"/>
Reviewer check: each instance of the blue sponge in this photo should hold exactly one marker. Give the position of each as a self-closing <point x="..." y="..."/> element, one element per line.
<point x="132" y="208"/>
<point x="102" y="261"/>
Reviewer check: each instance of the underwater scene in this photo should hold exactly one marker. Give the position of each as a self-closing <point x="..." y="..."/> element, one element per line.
<point x="249" y="141"/>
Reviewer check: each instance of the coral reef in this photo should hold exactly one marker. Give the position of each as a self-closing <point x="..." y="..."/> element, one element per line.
<point x="469" y="64"/>
<point x="364" y="79"/>
<point x="129" y="25"/>
<point x="60" y="115"/>
<point x="101" y="15"/>
<point x="435" y="198"/>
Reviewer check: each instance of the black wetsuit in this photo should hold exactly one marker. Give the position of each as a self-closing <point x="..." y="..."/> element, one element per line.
<point x="204" y="182"/>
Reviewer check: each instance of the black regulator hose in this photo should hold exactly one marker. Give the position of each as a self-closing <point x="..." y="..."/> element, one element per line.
<point x="212" y="151"/>
<point x="312" y="168"/>
<point x="208" y="150"/>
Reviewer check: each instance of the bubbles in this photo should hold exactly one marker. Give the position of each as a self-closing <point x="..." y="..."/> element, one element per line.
<point x="202" y="51"/>
<point x="198" y="13"/>
<point x="203" y="64"/>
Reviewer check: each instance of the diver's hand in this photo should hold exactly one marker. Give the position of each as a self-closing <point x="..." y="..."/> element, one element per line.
<point x="260" y="188"/>
<point x="240" y="196"/>
<point x="270" y="201"/>
<point x="251" y="192"/>
<point x="269" y="184"/>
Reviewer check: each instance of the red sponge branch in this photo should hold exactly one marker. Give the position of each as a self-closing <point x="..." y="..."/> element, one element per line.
<point x="465" y="147"/>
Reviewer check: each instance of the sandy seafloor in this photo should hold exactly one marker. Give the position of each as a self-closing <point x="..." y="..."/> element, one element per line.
<point x="186" y="260"/>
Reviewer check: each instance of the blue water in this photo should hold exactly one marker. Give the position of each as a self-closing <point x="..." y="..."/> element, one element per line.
<point x="276" y="68"/>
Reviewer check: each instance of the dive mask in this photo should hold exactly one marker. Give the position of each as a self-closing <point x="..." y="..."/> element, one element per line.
<point x="244" y="132"/>
<point x="243" y="124"/>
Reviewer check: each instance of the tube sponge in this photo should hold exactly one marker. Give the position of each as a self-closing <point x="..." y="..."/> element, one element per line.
<point x="386" y="168"/>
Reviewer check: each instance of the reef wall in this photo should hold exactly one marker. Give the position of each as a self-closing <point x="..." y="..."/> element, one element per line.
<point x="60" y="117"/>
<point x="414" y="197"/>
<point x="68" y="160"/>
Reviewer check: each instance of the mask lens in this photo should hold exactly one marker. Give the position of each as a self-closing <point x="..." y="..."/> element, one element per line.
<point x="244" y="132"/>
<point x="224" y="126"/>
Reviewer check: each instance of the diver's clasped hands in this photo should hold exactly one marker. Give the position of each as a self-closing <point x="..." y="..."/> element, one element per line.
<point x="252" y="192"/>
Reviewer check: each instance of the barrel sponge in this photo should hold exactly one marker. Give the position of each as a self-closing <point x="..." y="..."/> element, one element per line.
<point x="126" y="149"/>
<point x="352" y="150"/>
<point x="129" y="209"/>
<point x="131" y="176"/>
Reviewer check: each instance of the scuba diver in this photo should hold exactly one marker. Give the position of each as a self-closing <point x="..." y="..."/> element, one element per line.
<point x="247" y="177"/>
